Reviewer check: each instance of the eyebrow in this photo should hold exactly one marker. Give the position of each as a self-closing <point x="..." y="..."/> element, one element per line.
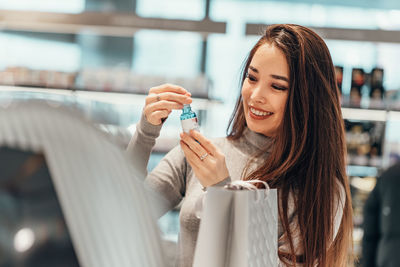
<point x="278" y="77"/>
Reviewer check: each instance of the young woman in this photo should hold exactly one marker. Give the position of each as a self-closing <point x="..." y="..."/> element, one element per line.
<point x="286" y="129"/>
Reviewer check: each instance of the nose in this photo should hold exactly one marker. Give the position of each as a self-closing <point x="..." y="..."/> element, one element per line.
<point x="258" y="95"/>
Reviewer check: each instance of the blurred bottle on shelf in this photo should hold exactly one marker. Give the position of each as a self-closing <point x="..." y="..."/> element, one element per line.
<point x="364" y="142"/>
<point x="339" y="77"/>
<point x="376" y="88"/>
<point x="366" y="90"/>
<point x="21" y="76"/>
<point x="357" y="83"/>
<point x="360" y="187"/>
<point x="375" y="154"/>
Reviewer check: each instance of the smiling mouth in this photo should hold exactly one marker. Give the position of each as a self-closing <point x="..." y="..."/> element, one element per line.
<point x="259" y="114"/>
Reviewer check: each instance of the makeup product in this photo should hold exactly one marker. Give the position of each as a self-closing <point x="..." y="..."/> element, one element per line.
<point x="189" y="119"/>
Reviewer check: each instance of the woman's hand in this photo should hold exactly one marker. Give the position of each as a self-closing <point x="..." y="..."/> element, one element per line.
<point x="207" y="161"/>
<point x="162" y="100"/>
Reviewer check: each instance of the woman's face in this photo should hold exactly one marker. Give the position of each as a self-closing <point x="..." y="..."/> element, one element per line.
<point x="265" y="90"/>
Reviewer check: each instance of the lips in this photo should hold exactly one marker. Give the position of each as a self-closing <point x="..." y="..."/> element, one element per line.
<point x="259" y="114"/>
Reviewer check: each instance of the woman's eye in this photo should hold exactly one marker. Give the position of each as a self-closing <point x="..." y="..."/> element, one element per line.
<point x="251" y="77"/>
<point x="280" y="88"/>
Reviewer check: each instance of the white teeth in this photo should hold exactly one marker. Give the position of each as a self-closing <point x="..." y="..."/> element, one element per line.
<point x="260" y="113"/>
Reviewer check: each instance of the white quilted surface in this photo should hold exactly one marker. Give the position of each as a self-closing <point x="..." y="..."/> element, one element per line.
<point x="103" y="201"/>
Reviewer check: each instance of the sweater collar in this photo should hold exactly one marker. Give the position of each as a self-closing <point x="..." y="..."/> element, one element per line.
<point x="256" y="140"/>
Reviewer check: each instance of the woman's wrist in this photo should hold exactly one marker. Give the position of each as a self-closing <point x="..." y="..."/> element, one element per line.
<point x="221" y="183"/>
<point x="148" y="129"/>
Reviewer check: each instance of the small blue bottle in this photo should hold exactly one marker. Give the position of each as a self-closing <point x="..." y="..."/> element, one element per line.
<point x="189" y="119"/>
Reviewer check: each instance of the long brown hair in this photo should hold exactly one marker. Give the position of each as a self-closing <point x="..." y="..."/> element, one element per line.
<point x="308" y="155"/>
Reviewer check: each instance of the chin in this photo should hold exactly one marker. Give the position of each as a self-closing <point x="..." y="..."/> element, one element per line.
<point x="258" y="129"/>
<point x="261" y="127"/>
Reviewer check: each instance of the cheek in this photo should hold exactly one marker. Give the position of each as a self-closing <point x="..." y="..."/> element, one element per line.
<point x="245" y="93"/>
<point x="284" y="102"/>
<point x="245" y="97"/>
<point x="282" y="107"/>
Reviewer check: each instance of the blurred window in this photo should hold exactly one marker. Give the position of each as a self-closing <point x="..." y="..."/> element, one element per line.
<point x="22" y="51"/>
<point x="171" y="9"/>
<point x="308" y="14"/>
<point x="167" y="53"/>
<point x="63" y="6"/>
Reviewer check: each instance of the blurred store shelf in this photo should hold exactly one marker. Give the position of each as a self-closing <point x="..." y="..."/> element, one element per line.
<point x="117" y="98"/>
<point x="394" y="115"/>
<point x="328" y="33"/>
<point x="357" y="170"/>
<point x="364" y="114"/>
<point x="101" y="23"/>
<point x="118" y="80"/>
<point x="198" y="103"/>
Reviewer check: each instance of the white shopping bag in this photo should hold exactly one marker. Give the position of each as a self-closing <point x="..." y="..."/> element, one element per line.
<point x="239" y="228"/>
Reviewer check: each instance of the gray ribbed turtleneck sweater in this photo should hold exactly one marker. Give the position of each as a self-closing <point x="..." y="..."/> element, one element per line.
<point x="174" y="179"/>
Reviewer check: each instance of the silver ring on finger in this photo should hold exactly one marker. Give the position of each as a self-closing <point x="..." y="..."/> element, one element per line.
<point x="202" y="157"/>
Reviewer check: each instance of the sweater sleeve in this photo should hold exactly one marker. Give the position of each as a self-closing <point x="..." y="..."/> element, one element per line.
<point x="142" y="143"/>
<point x="167" y="180"/>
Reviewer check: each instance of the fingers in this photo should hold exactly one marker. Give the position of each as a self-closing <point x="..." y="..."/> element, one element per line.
<point x="160" y="114"/>
<point x="163" y="104"/>
<point x="157" y="111"/>
<point x="168" y="88"/>
<point x="209" y="171"/>
<point x="206" y="143"/>
<point x="191" y="156"/>
<point x="169" y="96"/>
<point x="193" y="145"/>
<point x="162" y="99"/>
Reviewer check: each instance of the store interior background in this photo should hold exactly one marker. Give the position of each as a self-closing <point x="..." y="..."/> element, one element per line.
<point x="105" y="70"/>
